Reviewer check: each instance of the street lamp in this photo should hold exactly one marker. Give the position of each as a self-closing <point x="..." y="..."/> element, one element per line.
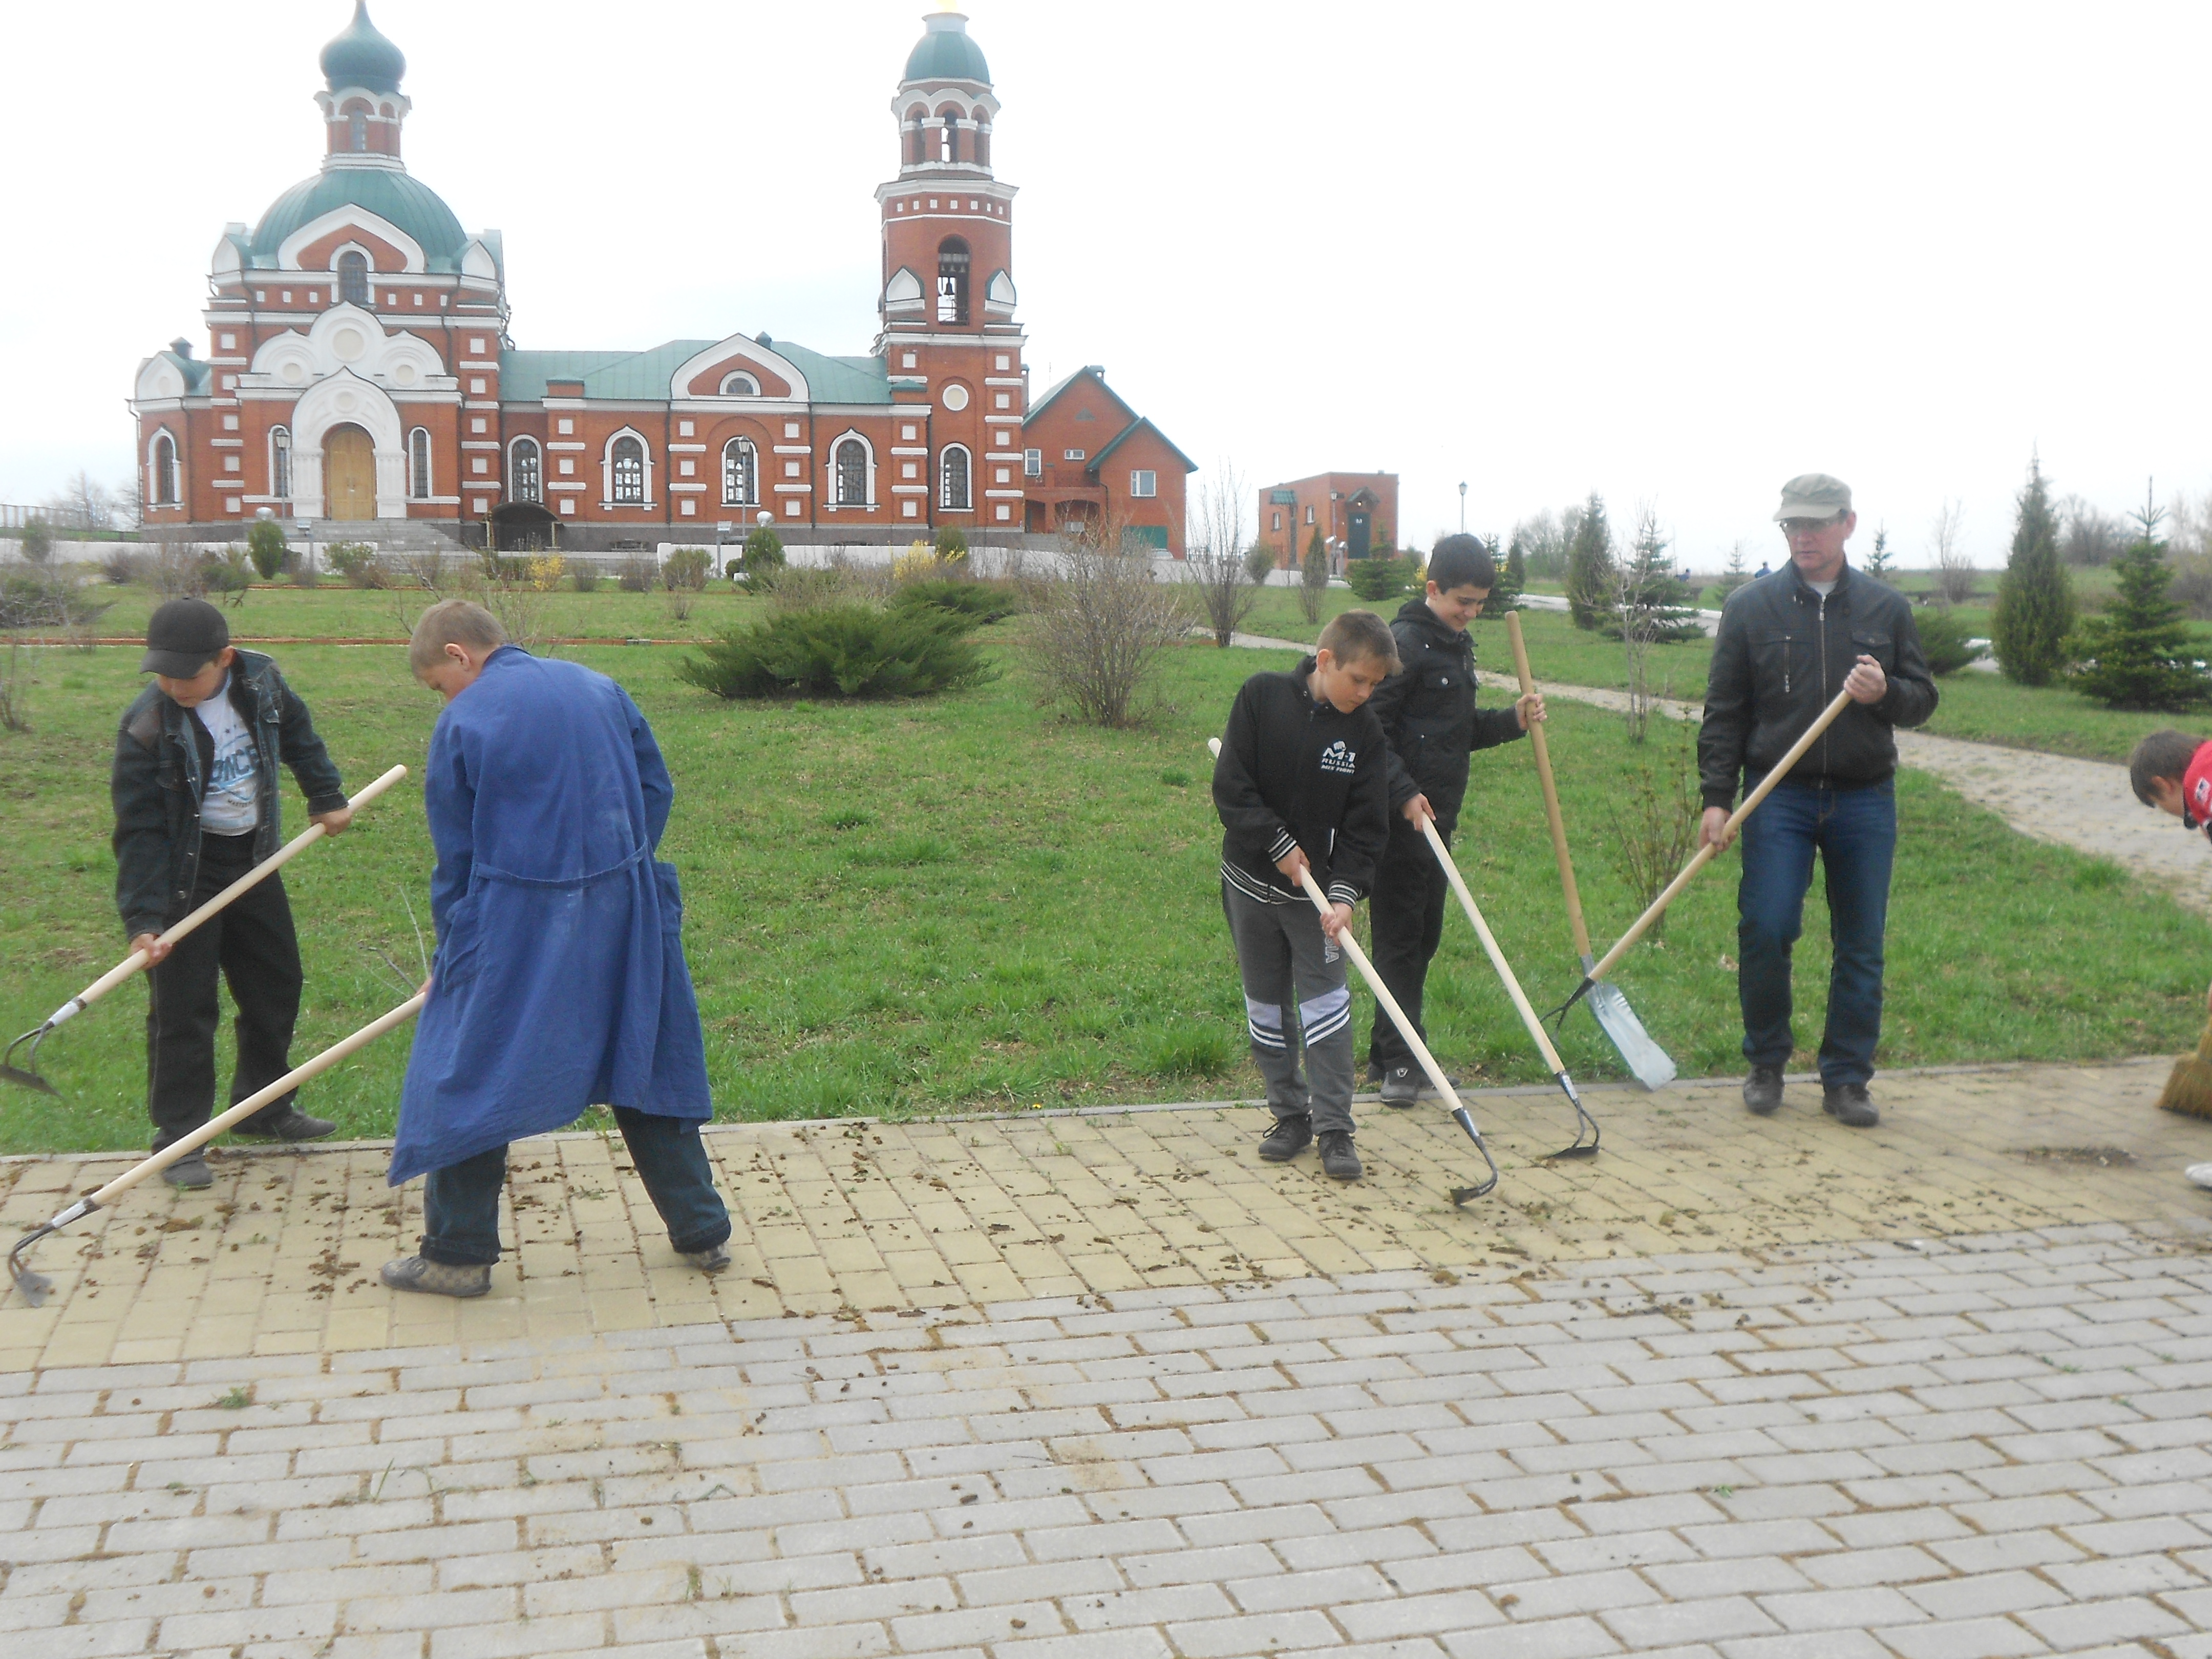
<point x="1462" y="509"/>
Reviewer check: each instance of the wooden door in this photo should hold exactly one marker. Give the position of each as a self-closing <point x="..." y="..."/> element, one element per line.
<point x="348" y="474"/>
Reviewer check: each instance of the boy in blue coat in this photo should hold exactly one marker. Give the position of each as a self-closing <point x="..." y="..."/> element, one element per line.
<point x="560" y="980"/>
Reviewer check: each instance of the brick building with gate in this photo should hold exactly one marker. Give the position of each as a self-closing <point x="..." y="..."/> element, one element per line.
<point x="359" y="373"/>
<point x="1355" y="512"/>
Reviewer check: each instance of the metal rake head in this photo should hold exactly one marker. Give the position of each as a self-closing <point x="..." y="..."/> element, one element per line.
<point x="10" y="1073"/>
<point x="30" y="1284"/>
<point x="1584" y="1123"/>
<point x="1461" y="1195"/>
<point x="1559" y="1014"/>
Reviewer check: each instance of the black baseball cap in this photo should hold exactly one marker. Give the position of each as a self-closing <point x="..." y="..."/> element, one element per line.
<point x="183" y="636"/>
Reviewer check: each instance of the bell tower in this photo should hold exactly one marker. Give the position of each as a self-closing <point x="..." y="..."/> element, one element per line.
<point x="948" y="337"/>
<point x="362" y="106"/>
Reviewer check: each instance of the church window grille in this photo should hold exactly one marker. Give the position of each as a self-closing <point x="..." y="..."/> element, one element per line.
<point x="353" y="278"/>
<point x="740" y="385"/>
<point x="418" y="463"/>
<point x="164" y="470"/>
<point x="740" y="473"/>
<point x="954" y="495"/>
<point x="629" y="471"/>
<point x="524" y="470"/>
<point x="952" y="263"/>
<point x="280" y="464"/>
<point x="852" y="473"/>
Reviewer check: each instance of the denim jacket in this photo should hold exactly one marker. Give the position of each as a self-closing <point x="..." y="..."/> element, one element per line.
<point x="162" y="757"/>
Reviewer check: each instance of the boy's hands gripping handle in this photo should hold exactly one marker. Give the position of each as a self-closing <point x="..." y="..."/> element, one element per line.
<point x="143" y="956"/>
<point x="1551" y="795"/>
<point x="1703" y="854"/>
<point x="1436" y="1073"/>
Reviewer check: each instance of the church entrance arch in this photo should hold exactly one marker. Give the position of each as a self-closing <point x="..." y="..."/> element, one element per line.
<point x="524" y="527"/>
<point x="348" y="473"/>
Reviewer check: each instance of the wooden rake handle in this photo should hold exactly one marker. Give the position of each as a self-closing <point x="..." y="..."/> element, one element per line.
<point x="1559" y="824"/>
<point x="260" y="872"/>
<point x="1497" y="957"/>
<point x="1705" y="854"/>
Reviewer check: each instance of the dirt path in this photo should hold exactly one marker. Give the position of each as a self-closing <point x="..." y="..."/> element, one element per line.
<point x="2081" y="804"/>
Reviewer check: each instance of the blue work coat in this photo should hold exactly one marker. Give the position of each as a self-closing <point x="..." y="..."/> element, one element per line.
<point x="560" y="980"/>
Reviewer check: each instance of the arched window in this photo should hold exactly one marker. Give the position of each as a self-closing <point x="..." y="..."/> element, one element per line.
<point x="357" y="133"/>
<point x="353" y="278"/>
<point x="418" y="463"/>
<point x="628" y="457"/>
<point x="164" y="470"/>
<point x="948" y="135"/>
<point x="982" y="139"/>
<point x="740" y="473"/>
<point x="852" y="473"/>
<point x="916" y="136"/>
<point x="954" y="469"/>
<point x="952" y="280"/>
<point x="740" y="385"/>
<point x="280" y="464"/>
<point x="523" y="471"/>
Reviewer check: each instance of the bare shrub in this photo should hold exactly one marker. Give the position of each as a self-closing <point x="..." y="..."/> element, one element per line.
<point x="800" y="588"/>
<point x="14" y="691"/>
<point x="1956" y="575"/>
<point x="1313" y="585"/>
<point x="1100" y="625"/>
<point x="1657" y="830"/>
<point x="177" y="572"/>
<point x="1218" y="566"/>
<point x="123" y="566"/>
<point x="637" y="575"/>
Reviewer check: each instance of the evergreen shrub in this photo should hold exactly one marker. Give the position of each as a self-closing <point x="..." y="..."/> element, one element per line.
<point x="843" y="651"/>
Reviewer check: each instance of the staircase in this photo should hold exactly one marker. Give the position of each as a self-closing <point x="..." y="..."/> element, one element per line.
<point x="387" y="535"/>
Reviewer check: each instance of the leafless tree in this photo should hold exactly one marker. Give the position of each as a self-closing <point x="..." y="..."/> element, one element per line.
<point x="1955" y="575"/>
<point x="80" y="504"/>
<point x="1216" y="561"/>
<point x="123" y="503"/>
<point x="2093" y="536"/>
<point x="1101" y="622"/>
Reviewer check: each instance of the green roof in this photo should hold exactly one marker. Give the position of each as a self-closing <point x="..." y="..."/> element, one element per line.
<point x="644" y="376"/>
<point x="398" y="198"/>
<point x="1143" y="423"/>
<point x="360" y="56"/>
<point x="946" y="54"/>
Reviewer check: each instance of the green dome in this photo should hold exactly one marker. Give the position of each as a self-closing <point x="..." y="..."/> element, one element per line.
<point x="397" y="197"/>
<point x="362" y="58"/>
<point x="946" y="54"/>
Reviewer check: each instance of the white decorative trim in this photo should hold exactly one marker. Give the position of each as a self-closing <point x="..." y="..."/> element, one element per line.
<point x="345" y="214"/>
<point x="852" y="435"/>
<point x="607" y="467"/>
<point x="745" y="346"/>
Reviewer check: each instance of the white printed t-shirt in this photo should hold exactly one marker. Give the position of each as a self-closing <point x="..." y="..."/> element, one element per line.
<point x="232" y="804"/>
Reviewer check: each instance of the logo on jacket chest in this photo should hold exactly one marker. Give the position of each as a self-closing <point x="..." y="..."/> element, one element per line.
<point x="1337" y="758"/>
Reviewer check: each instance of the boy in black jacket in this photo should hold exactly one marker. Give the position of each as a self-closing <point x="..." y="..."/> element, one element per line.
<point x="1300" y="785"/>
<point x="195" y="807"/>
<point x="1428" y="715"/>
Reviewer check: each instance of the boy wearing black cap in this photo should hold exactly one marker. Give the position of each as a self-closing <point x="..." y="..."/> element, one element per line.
<point x="195" y="807"/>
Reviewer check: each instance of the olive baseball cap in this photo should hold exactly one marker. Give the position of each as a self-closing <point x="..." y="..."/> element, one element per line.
<point x="182" y="637"/>
<point x="1814" y="495"/>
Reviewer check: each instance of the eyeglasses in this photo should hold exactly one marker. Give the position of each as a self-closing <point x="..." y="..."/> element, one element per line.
<point x="1810" y="526"/>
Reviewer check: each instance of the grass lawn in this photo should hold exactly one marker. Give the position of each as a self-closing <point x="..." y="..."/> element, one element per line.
<point x="963" y="903"/>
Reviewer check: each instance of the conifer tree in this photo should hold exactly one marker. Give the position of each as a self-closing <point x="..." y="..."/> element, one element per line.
<point x="1877" y="562"/>
<point x="2137" y="654"/>
<point x="1512" y="581"/>
<point x="1591" y="573"/>
<point x="1313" y="579"/>
<point x="1650" y="601"/>
<point x="2035" y="600"/>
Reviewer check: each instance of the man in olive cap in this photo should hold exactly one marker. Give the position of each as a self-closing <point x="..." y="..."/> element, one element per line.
<point x="1787" y="643"/>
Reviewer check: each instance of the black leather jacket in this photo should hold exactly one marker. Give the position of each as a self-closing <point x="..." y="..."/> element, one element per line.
<point x="1427" y="712"/>
<point x="162" y="757"/>
<point x="1782" y="654"/>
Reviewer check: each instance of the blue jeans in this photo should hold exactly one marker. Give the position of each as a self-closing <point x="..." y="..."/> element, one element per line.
<point x="460" y="1202"/>
<point x="1855" y="831"/>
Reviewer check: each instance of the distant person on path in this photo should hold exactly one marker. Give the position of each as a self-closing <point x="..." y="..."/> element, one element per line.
<point x="560" y="980"/>
<point x="1428" y="715"/>
<point x="1784" y="649"/>
<point x="197" y="805"/>
<point x="1764" y="568"/>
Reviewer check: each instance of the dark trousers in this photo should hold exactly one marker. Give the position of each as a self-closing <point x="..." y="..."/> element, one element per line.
<point x="1854" y="832"/>
<point x="252" y="948"/>
<point x="1406" y="915"/>
<point x="460" y="1202"/>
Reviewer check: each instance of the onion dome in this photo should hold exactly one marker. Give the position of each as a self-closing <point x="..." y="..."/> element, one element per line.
<point x="362" y="58"/>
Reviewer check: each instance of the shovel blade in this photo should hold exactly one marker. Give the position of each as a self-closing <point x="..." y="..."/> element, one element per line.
<point x="1647" y="1062"/>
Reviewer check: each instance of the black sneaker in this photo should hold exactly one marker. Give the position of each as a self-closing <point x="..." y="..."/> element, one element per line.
<point x="1762" y="1090"/>
<point x="1401" y="1087"/>
<point x="1290" y="1137"/>
<point x="294" y="1124"/>
<point x="1849" y="1106"/>
<point x="190" y="1172"/>
<point x="1338" y="1161"/>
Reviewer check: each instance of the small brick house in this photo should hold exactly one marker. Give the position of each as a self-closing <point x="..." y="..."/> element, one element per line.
<point x="1087" y="455"/>
<point x="1355" y="512"/>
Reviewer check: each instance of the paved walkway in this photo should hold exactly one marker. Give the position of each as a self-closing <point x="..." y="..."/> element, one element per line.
<point x="1088" y="1385"/>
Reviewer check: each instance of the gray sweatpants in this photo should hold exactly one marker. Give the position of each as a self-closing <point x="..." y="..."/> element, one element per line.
<point x="1282" y="954"/>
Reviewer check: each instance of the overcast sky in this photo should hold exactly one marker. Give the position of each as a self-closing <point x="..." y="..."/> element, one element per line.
<point x="1672" y="253"/>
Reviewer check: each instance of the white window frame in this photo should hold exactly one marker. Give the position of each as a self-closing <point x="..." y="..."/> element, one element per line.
<point x="1143" y="484"/>
<point x="1072" y="455"/>
<point x="944" y="483"/>
<point x="419" y="477"/>
<point x="752" y="449"/>
<point x="607" y="467"/>
<point x="533" y="478"/>
<point x="731" y="389"/>
<point x="851" y="436"/>
<point x="165" y="487"/>
<point x="1032" y="463"/>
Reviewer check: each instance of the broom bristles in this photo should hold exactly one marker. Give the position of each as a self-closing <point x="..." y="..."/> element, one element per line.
<point x="2189" y="1090"/>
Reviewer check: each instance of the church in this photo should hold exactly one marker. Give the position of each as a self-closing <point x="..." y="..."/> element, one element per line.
<point x="359" y="374"/>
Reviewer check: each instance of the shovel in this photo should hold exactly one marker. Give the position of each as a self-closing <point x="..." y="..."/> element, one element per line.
<point x="1584" y="1123"/>
<point x="1435" y="1072"/>
<point x="1703" y="855"/>
<point x="35" y="1285"/>
<point x="29" y="1078"/>
<point x="1647" y="1062"/>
